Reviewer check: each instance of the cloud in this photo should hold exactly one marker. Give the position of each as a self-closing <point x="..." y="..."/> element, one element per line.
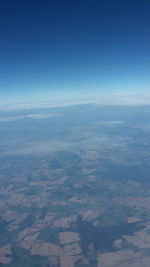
<point x="109" y="123"/>
<point x="41" y="147"/>
<point x="29" y="116"/>
<point x="124" y="99"/>
<point x="90" y="141"/>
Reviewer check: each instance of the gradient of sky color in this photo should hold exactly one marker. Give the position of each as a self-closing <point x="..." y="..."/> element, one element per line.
<point x="74" y="47"/>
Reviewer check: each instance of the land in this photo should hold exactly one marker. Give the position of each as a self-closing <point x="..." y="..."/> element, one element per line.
<point x="74" y="187"/>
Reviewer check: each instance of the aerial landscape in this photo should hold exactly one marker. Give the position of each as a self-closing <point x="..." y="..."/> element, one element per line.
<point x="75" y="186"/>
<point x="75" y="133"/>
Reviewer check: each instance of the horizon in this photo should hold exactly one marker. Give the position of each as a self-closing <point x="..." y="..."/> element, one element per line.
<point x="106" y="99"/>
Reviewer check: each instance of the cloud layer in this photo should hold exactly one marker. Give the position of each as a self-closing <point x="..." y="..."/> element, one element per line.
<point x="124" y="99"/>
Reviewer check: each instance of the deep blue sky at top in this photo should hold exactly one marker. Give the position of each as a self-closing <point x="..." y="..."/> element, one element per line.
<point x="74" y="46"/>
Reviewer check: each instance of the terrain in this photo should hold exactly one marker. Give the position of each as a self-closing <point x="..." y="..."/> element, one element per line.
<point x="75" y="187"/>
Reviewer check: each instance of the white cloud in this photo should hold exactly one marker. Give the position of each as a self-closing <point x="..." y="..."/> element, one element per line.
<point x="30" y="116"/>
<point x="130" y="99"/>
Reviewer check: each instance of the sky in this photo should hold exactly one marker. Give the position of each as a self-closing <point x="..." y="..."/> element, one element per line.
<point x="75" y="47"/>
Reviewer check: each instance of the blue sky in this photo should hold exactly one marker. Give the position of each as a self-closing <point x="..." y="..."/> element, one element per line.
<point x="58" y="48"/>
